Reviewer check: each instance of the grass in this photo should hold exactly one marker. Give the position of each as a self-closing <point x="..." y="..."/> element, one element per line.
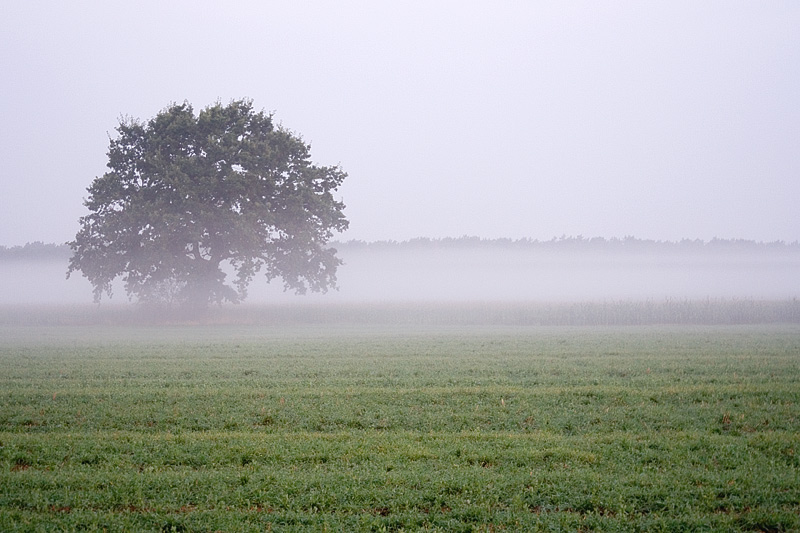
<point x="428" y="313"/>
<point x="380" y="428"/>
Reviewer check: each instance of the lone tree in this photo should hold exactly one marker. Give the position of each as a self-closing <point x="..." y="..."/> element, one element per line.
<point x="188" y="196"/>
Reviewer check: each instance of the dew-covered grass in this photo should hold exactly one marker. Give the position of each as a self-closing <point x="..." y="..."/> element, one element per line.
<point x="362" y="428"/>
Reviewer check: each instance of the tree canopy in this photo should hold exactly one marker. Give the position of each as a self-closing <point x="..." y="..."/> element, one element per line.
<point x="188" y="197"/>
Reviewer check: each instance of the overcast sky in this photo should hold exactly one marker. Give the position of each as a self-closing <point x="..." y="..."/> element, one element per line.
<point x="662" y="120"/>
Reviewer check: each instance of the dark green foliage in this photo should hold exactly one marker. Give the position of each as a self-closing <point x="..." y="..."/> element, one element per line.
<point x="188" y="194"/>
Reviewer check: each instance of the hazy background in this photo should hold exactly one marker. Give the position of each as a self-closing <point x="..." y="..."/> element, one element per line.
<point x="487" y="273"/>
<point x="662" y="120"/>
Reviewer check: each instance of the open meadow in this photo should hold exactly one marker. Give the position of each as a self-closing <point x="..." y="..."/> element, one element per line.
<point x="380" y="427"/>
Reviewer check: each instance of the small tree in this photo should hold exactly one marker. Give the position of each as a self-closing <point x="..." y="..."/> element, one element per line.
<point x="187" y="195"/>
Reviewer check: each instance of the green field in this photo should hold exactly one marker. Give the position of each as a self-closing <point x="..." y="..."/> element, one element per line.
<point x="390" y="428"/>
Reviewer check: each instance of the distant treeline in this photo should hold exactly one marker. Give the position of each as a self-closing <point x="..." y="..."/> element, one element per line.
<point x="35" y="251"/>
<point x="579" y="243"/>
<point x="41" y="251"/>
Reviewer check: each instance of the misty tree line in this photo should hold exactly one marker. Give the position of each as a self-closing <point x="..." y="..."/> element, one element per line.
<point x="35" y="251"/>
<point x="576" y="243"/>
<point x="50" y="251"/>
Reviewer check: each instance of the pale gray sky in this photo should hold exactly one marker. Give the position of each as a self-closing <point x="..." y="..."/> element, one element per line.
<point x="662" y="120"/>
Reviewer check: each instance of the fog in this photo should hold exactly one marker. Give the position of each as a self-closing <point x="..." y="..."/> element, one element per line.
<point x="482" y="273"/>
<point x="513" y="120"/>
<point x="665" y="120"/>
